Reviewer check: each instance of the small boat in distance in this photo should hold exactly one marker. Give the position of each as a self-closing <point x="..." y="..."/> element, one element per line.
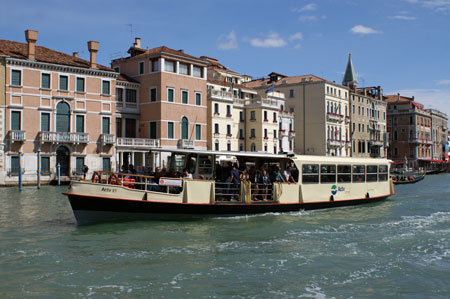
<point x="315" y="182"/>
<point x="408" y="180"/>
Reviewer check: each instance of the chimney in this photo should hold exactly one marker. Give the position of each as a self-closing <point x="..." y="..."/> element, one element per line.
<point x="398" y="97"/>
<point x="137" y="42"/>
<point x="93" y="49"/>
<point x="31" y="36"/>
<point x="75" y="54"/>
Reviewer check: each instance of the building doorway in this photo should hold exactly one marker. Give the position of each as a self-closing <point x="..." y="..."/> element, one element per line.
<point x="63" y="159"/>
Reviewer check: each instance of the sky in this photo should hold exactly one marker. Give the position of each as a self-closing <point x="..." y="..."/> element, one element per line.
<point x="401" y="45"/>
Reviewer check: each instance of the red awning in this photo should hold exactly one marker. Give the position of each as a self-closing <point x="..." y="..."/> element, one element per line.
<point x="397" y="163"/>
<point x="433" y="160"/>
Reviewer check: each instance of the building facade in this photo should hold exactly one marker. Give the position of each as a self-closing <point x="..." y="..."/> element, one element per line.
<point x="439" y="129"/>
<point x="320" y="109"/>
<point x="56" y="105"/>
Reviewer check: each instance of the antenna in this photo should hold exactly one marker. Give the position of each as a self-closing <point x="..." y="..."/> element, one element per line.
<point x="131" y="31"/>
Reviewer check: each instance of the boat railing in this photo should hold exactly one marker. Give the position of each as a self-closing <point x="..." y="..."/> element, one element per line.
<point x="227" y="191"/>
<point x="261" y="192"/>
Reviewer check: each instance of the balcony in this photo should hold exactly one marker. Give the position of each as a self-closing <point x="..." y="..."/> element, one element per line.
<point x="229" y="135"/>
<point x="288" y="114"/>
<point x="334" y="117"/>
<point x="291" y="133"/>
<point x="335" y="143"/>
<point x="16" y="136"/>
<point x="108" y="138"/>
<point x="220" y="95"/>
<point x="262" y="102"/>
<point x="283" y="133"/>
<point x="374" y="142"/>
<point x="185" y="143"/>
<point x="347" y="119"/>
<point x="138" y="142"/>
<point x="63" y="137"/>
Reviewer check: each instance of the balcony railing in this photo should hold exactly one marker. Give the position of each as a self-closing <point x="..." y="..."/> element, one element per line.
<point x="63" y="137"/>
<point x="262" y="102"/>
<point x="334" y="117"/>
<point x="108" y="138"/>
<point x="374" y="142"/>
<point x="335" y="143"/>
<point x="185" y="143"/>
<point x="16" y="135"/>
<point x="220" y="94"/>
<point x="138" y="142"/>
<point x="292" y="133"/>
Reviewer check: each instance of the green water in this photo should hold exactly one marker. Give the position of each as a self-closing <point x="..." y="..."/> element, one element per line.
<point x="399" y="248"/>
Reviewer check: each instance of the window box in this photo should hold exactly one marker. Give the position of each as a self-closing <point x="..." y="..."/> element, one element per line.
<point x="283" y="131"/>
<point x="266" y="138"/>
<point x="291" y="131"/>
<point x="229" y="135"/>
<point x="275" y="121"/>
<point x="266" y="120"/>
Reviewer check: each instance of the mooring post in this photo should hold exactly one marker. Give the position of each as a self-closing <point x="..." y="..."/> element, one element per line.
<point x="20" y="170"/>
<point x="38" y="171"/>
<point x="59" y="174"/>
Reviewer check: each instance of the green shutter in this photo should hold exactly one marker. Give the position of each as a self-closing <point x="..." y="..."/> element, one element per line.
<point x="198" y="132"/>
<point x="106" y="164"/>
<point x="45" y="81"/>
<point x="15" y="120"/>
<point x="79" y="165"/>
<point x="62" y="117"/>
<point x="45" y="122"/>
<point x="184" y="128"/>
<point x="105" y="87"/>
<point x="105" y="125"/>
<point x="15" y="165"/>
<point x="170" y="130"/>
<point x="45" y="165"/>
<point x="153" y="130"/>
<point x="184" y="95"/>
<point x="63" y="83"/>
<point x="80" y="84"/>
<point x="16" y="77"/>
<point x="152" y="94"/>
<point x="170" y="95"/>
<point x="80" y="124"/>
<point x="198" y="99"/>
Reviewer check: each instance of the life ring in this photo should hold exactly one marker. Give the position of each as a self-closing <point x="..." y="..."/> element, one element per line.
<point x="96" y="174"/>
<point x="113" y="179"/>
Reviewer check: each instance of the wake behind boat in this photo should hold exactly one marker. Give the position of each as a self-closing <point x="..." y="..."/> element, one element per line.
<point x="314" y="182"/>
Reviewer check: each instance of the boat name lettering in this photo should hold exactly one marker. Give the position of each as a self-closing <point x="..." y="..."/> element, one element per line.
<point x="111" y="190"/>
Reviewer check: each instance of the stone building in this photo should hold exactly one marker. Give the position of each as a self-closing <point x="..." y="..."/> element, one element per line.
<point x="439" y="129"/>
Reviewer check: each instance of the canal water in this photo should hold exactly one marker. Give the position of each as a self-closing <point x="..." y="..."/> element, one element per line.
<point x="399" y="248"/>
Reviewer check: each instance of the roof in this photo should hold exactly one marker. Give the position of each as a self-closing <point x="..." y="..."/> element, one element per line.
<point x="19" y="50"/>
<point x="223" y="83"/>
<point x="123" y="77"/>
<point x="350" y="75"/>
<point x="397" y="99"/>
<point x="159" y="50"/>
<point x="286" y="80"/>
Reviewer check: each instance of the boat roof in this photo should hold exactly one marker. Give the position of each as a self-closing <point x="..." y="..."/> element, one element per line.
<point x="308" y="158"/>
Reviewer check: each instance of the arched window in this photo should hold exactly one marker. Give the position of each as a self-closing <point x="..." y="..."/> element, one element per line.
<point x="62" y="117"/>
<point x="184" y="128"/>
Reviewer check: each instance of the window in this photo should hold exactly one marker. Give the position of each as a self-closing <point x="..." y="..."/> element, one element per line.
<point x="184" y="128"/>
<point x="274" y="117"/>
<point x="241" y="116"/>
<point x="45" y="122"/>
<point x="80" y="84"/>
<point x="62" y="117"/>
<point x="372" y="172"/>
<point x="170" y="130"/>
<point x="265" y="133"/>
<point x="152" y="130"/>
<point x="63" y="83"/>
<point x="265" y="147"/>
<point x="359" y="173"/>
<point x="15" y="165"/>
<point x="184" y="96"/>
<point x="119" y="94"/>
<point x="241" y="147"/>
<point x="141" y="68"/>
<point x="265" y="116"/>
<point x="152" y="94"/>
<point x="105" y="87"/>
<point x="106" y="164"/>
<point x="327" y="173"/>
<point x="310" y="173"/>
<point x="253" y="147"/>
<point x="198" y="98"/>
<point x="118" y="127"/>
<point x="344" y="174"/>
<point x="169" y="66"/>
<point x="252" y="115"/>
<point x="16" y="122"/>
<point x="155" y="65"/>
<point x="198" y="132"/>
<point x="45" y="165"/>
<point x="274" y="133"/>
<point x="170" y="94"/>
<point x="45" y="81"/>
<point x="117" y="69"/>
<point x="241" y="133"/>
<point x="16" y="77"/>
<point x="216" y="128"/>
<point x="291" y="93"/>
<point x="130" y="128"/>
<point x="131" y="95"/>
<point x="183" y="69"/>
<point x="197" y="71"/>
<point x="80" y="123"/>
<point x="383" y="173"/>
<point x="79" y="163"/>
<point x="252" y="133"/>
<point x="228" y="146"/>
<point x="216" y="108"/>
<point x="228" y="129"/>
<point x="216" y="145"/>
<point x="105" y="125"/>
<point x="228" y="110"/>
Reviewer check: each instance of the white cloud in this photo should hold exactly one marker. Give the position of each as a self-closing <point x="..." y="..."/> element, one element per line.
<point x="403" y="18"/>
<point x="431" y="98"/>
<point x="307" y="7"/>
<point x="272" y="40"/>
<point x="307" y="18"/>
<point x="444" y="82"/>
<point x="363" y="30"/>
<point x="437" y="5"/>
<point x="228" y="42"/>
<point x="296" y="36"/>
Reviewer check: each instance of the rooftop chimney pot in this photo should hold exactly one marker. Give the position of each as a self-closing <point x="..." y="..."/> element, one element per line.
<point x="137" y="42"/>
<point x="75" y="54"/>
<point x="31" y="36"/>
<point x="93" y="47"/>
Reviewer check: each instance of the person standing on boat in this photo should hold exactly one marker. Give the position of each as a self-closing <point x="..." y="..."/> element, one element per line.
<point x="265" y="183"/>
<point x="288" y="175"/>
<point x="235" y="181"/>
<point x="186" y="174"/>
<point x="277" y="176"/>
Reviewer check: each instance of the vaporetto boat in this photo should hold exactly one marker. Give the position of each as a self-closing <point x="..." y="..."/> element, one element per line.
<point x="318" y="182"/>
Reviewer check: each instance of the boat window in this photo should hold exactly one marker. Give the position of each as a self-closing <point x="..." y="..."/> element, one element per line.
<point x="327" y="173"/>
<point x="344" y="173"/>
<point x="178" y="161"/>
<point x="310" y="173"/>
<point x="359" y="173"/>
<point x="383" y="173"/>
<point x="205" y="164"/>
<point x="372" y="172"/>
<point x="191" y="162"/>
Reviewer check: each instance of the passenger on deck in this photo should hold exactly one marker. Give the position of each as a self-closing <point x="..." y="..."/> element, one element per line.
<point x="235" y="182"/>
<point x="288" y="175"/>
<point x="186" y="174"/>
<point x="277" y="177"/>
<point x="264" y="184"/>
<point x="244" y="177"/>
<point x="153" y="183"/>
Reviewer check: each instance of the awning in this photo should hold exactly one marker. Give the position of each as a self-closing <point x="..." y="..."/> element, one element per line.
<point x="397" y="163"/>
<point x="433" y="160"/>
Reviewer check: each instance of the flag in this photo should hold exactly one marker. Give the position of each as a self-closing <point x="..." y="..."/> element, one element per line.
<point x="271" y="88"/>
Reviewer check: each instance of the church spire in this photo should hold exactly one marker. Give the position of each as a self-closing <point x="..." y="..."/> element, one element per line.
<point x="350" y="75"/>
